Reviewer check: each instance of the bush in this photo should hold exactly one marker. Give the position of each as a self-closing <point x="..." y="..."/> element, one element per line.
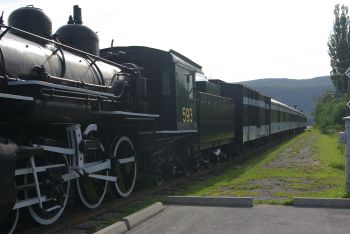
<point x="329" y="112"/>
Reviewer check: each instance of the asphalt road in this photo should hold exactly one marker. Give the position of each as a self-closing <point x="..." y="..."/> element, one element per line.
<point x="259" y="219"/>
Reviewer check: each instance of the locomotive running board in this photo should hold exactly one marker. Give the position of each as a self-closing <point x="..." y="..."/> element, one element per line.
<point x="124" y="114"/>
<point x="16" y="97"/>
<point x="174" y="132"/>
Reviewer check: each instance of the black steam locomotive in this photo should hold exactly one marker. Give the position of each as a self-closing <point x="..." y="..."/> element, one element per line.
<point x="72" y="113"/>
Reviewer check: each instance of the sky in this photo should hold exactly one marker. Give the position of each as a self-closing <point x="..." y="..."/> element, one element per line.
<point x="232" y="40"/>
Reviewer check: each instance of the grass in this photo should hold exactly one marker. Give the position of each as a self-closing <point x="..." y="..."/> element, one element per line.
<point x="312" y="166"/>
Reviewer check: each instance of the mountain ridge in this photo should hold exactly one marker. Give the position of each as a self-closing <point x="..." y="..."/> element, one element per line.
<point x="303" y="92"/>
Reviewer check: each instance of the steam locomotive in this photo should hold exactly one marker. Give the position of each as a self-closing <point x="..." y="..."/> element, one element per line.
<point x="72" y="113"/>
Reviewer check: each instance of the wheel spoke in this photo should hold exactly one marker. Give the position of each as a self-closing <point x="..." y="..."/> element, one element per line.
<point x="126" y="160"/>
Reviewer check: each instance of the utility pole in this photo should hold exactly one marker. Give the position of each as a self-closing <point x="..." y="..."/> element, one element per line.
<point x="347" y="139"/>
<point x="347" y="152"/>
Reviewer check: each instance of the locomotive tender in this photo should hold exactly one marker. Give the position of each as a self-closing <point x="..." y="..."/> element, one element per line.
<point x="72" y="113"/>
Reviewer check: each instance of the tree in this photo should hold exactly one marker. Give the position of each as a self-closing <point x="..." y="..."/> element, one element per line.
<point x="339" y="48"/>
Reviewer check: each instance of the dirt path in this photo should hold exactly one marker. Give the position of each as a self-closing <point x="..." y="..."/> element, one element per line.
<point x="300" y="155"/>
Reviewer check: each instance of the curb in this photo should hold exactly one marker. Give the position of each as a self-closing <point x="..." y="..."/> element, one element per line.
<point x="211" y="201"/>
<point x="135" y="219"/>
<point x="131" y="221"/>
<point x="321" y="202"/>
<point x="116" y="228"/>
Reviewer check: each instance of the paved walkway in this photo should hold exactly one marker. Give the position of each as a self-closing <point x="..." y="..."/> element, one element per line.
<point x="259" y="219"/>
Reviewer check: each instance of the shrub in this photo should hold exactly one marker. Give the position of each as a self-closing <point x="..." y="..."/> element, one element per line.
<point x="329" y="112"/>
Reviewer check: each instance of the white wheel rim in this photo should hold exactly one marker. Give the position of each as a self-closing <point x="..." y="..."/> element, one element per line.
<point x="120" y="192"/>
<point x="15" y="222"/>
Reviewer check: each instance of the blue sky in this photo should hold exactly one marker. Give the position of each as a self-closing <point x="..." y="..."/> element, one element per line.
<point x="232" y="40"/>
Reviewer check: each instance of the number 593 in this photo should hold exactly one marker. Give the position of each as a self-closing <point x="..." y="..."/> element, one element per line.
<point x="187" y="115"/>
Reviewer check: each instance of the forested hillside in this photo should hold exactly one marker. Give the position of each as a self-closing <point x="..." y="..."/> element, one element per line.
<point x="302" y="93"/>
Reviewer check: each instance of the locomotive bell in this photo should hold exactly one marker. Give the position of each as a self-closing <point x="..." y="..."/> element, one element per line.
<point x="78" y="36"/>
<point x="33" y="20"/>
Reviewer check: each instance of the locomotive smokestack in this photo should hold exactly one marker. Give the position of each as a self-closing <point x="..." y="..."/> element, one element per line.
<point x="77" y="14"/>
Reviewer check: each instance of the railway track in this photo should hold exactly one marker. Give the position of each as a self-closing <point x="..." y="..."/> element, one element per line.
<point x="83" y="220"/>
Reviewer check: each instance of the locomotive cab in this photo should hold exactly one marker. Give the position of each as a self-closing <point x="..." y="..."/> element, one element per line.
<point x="166" y="86"/>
